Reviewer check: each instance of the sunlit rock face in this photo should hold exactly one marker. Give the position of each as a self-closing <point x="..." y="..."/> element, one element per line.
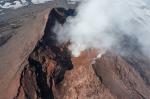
<point x="19" y="36"/>
<point x="82" y="82"/>
<point x="121" y="77"/>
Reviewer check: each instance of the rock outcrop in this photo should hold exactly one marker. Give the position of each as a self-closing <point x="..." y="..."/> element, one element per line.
<point x="25" y="31"/>
<point x="47" y="63"/>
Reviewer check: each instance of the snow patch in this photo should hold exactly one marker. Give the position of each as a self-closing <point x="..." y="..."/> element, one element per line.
<point x="19" y="3"/>
<point x="15" y="5"/>
<point x="73" y="1"/>
<point x="40" y="1"/>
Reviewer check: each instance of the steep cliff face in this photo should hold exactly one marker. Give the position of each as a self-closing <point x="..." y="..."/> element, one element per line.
<point x="46" y="67"/>
<point x="25" y="31"/>
<point x="47" y="63"/>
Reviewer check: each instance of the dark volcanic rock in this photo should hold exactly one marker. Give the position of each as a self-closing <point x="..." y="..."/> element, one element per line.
<point x="47" y="63"/>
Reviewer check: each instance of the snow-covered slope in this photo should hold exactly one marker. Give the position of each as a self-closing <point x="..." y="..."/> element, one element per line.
<point x="19" y="3"/>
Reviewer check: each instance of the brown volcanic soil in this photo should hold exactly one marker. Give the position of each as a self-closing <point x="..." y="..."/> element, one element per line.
<point x="121" y="78"/>
<point x="42" y="69"/>
<point x="108" y="77"/>
<point x="82" y="82"/>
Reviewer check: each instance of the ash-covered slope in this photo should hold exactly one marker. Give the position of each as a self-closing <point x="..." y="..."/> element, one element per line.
<point x="19" y="3"/>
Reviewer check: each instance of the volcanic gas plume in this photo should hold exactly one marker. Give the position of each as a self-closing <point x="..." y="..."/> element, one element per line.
<point x="107" y="24"/>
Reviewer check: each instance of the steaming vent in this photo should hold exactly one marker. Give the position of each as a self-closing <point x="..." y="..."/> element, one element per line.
<point x="121" y="26"/>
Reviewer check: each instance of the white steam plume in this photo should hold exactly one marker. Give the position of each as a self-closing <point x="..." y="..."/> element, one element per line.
<point x="101" y="24"/>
